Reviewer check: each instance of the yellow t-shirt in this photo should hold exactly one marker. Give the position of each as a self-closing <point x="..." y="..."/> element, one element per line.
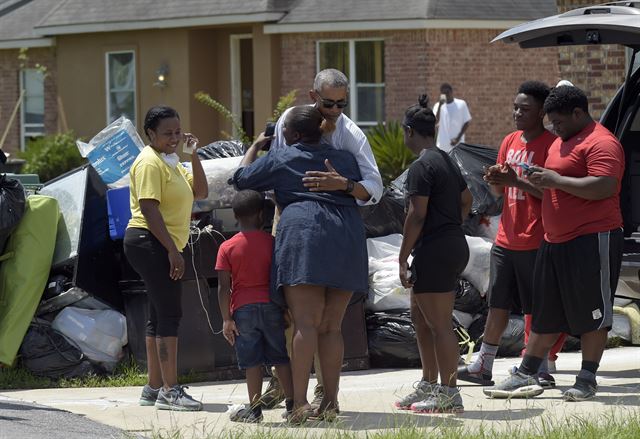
<point x="152" y="178"/>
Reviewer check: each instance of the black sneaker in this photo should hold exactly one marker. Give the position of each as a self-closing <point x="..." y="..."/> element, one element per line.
<point x="483" y="378"/>
<point x="177" y="399"/>
<point x="582" y="390"/>
<point x="273" y="396"/>
<point x="149" y="396"/>
<point x="546" y="380"/>
<point x="247" y="415"/>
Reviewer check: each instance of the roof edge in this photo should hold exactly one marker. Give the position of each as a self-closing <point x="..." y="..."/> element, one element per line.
<point x="118" y="26"/>
<point x="347" y="26"/>
<point x="28" y="43"/>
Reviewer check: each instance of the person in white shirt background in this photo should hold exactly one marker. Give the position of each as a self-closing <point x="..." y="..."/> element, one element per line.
<point x="452" y="117"/>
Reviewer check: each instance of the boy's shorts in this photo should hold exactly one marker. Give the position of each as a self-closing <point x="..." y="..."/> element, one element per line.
<point x="261" y="340"/>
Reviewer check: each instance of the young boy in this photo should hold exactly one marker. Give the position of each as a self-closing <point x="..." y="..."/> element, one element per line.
<point x="252" y="324"/>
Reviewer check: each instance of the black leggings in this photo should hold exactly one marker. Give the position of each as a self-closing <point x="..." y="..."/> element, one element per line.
<point x="150" y="259"/>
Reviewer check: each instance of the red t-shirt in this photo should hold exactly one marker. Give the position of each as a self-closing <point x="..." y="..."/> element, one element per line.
<point x="592" y="152"/>
<point x="520" y="225"/>
<point x="247" y="255"/>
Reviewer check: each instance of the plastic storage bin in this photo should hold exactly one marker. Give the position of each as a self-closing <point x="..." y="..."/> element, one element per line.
<point x="118" y="211"/>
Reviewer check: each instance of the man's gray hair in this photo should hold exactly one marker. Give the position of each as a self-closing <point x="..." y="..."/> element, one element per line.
<point x="330" y="78"/>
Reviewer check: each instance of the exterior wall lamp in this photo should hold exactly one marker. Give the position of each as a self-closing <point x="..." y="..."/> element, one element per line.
<point x="161" y="76"/>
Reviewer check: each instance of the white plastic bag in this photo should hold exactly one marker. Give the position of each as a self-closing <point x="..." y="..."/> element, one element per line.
<point x="385" y="290"/>
<point x="112" y="151"/>
<point x="100" y="334"/>
<point x="488" y="227"/>
<point x="218" y="172"/>
<point x="477" y="269"/>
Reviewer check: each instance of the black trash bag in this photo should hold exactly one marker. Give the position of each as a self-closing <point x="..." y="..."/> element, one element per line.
<point x="468" y="298"/>
<point x="12" y="206"/>
<point x="47" y="353"/>
<point x="221" y="149"/>
<point x="472" y="159"/>
<point x="571" y="344"/>
<point x="512" y="341"/>
<point x="384" y="218"/>
<point x="476" y="330"/>
<point x="392" y="340"/>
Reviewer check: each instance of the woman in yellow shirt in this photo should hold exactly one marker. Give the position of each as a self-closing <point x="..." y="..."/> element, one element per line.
<point x="162" y="194"/>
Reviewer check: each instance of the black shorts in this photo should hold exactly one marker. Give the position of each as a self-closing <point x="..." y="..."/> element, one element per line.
<point x="574" y="283"/>
<point x="511" y="278"/>
<point x="438" y="263"/>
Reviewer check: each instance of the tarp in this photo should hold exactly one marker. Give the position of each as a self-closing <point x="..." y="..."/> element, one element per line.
<point x="23" y="276"/>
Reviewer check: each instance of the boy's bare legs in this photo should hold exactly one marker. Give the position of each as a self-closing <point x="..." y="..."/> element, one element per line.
<point x="254" y="384"/>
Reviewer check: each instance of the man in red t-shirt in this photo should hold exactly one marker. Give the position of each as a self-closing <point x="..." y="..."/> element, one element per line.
<point x="251" y="322"/>
<point x="520" y="230"/>
<point x="578" y="264"/>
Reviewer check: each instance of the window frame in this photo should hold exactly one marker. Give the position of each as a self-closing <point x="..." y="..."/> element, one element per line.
<point x="353" y="84"/>
<point x="23" y="124"/>
<point x="135" y="84"/>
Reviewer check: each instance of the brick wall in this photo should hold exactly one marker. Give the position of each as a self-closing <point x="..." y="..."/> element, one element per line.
<point x="10" y="90"/>
<point x="485" y="75"/>
<point x="598" y="70"/>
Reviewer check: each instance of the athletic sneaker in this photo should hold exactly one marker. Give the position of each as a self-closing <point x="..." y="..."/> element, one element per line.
<point x="423" y="389"/>
<point x="483" y="378"/>
<point x="149" y="395"/>
<point x="546" y="380"/>
<point x="318" y="394"/>
<point x="274" y="394"/>
<point x="177" y="399"/>
<point x="439" y="402"/>
<point x="582" y="390"/>
<point x="247" y="415"/>
<point x="518" y="385"/>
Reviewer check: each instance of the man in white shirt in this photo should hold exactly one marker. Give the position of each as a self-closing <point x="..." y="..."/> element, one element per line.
<point x="453" y="118"/>
<point x="330" y="94"/>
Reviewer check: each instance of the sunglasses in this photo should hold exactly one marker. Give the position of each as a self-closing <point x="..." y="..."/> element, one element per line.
<point x="329" y="103"/>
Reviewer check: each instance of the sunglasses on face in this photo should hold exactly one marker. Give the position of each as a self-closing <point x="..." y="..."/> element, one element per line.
<point x="329" y="103"/>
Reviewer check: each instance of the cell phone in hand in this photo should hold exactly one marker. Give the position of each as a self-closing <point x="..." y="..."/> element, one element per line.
<point x="413" y="274"/>
<point x="525" y="168"/>
<point x="269" y="130"/>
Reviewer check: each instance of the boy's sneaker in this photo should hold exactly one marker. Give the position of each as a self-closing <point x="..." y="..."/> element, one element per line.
<point x="546" y="380"/>
<point x="177" y="399"/>
<point x="483" y="378"/>
<point x="518" y="385"/>
<point x="247" y="415"/>
<point x="582" y="390"/>
<point x="149" y="396"/>
<point x="439" y="402"/>
<point x="423" y="389"/>
<point x="274" y="394"/>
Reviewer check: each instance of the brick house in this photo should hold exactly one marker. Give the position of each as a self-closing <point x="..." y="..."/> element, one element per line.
<point x="104" y="59"/>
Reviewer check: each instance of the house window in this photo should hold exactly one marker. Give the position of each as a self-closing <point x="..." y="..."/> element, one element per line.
<point x="32" y="82"/>
<point x="363" y="63"/>
<point x="121" y="86"/>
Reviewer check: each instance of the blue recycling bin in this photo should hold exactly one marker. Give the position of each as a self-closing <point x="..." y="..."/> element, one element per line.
<point x="118" y="211"/>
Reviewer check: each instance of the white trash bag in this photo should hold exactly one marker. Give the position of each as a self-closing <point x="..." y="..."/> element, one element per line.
<point x="385" y="290"/>
<point x="100" y="334"/>
<point x="112" y="151"/>
<point x="477" y="269"/>
<point x="218" y="172"/>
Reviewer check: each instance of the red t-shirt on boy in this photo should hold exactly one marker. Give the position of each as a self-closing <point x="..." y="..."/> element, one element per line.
<point x="594" y="151"/>
<point x="247" y="256"/>
<point x="520" y="225"/>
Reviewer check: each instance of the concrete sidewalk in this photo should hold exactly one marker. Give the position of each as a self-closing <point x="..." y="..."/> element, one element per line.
<point x="366" y="401"/>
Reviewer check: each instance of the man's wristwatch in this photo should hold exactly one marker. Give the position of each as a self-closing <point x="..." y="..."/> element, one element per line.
<point x="350" y="186"/>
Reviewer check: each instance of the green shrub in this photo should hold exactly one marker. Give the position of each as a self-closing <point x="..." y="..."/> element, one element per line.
<point x="51" y="156"/>
<point x="387" y="144"/>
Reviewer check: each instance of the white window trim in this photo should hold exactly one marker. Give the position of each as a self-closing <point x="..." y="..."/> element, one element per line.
<point x="23" y="125"/>
<point x="108" y="90"/>
<point x="236" y="76"/>
<point x="353" y="85"/>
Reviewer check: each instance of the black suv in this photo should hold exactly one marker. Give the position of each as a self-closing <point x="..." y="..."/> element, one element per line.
<point x="610" y="23"/>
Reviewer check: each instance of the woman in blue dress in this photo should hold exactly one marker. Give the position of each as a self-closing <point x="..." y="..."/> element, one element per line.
<point x="320" y="255"/>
